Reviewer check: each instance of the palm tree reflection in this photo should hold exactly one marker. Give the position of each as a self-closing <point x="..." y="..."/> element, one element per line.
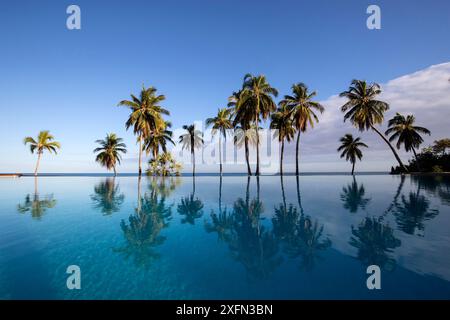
<point x="190" y="207"/>
<point x="35" y="204"/>
<point x="353" y="198"/>
<point x="375" y="242"/>
<point x="107" y="197"/>
<point x="143" y="230"/>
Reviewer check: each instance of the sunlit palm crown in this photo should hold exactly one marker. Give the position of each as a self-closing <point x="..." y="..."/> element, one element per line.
<point x="159" y="139"/>
<point x="350" y="148"/>
<point x="109" y="152"/>
<point x="303" y="106"/>
<point x="282" y="122"/>
<point x="362" y="107"/>
<point x="221" y="122"/>
<point x="402" y="128"/>
<point x="44" y="142"/>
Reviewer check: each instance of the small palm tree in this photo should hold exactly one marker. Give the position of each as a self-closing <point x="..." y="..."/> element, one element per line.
<point x="159" y="139"/>
<point x="365" y="111"/>
<point x="44" y="142"/>
<point x="403" y="129"/>
<point x="257" y="101"/>
<point x="282" y="122"/>
<point x="109" y="151"/>
<point x="350" y="148"/>
<point x="146" y="115"/>
<point x="220" y="123"/>
<point x="191" y="141"/>
<point x="303" y="112"/>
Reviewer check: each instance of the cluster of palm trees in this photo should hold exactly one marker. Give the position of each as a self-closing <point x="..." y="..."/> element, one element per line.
<point x="246" y="109"/>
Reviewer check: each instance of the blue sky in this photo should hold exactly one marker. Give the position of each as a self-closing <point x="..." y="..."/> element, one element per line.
<point x="194" y="52"/>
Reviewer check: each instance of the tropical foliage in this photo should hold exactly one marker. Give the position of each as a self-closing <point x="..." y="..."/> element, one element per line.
<point x="44" y="141"/>
<point x="351" y="149"/>
<point x="109" y="152"/>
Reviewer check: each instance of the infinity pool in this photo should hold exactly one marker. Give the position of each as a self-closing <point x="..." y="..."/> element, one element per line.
<point x="229" y="238"/>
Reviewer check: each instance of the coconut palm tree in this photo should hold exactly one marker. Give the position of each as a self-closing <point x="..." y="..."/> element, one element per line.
<point x="353" y="197"/>
<point x="109" y="151"/>
<point x="365" y="111"/>
<point x="159" y="139"/>
<point x="220" y="124"/>
<point x="303" y="112"/>
<point x="257" y="101"/>
<point x="241" y="125"/>
<point x="191" y="140"/>
<point x="282" y="122"/>
<point x="45" y="141"/>
<point x="35" y="204"/>
<point x="146" y="115"/>
<point x="403" y="129"/>
<point x="350" y="148"/>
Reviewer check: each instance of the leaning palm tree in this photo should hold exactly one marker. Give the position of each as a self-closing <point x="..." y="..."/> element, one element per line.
<point x="350" y="148"/>
<point x="303" y="112"/>
<point x="365" y="111"/>
<point x="146" y="115"/>
<point x="403" y="129"/>
<point x="220" y="124"/>
<point x="191" y="141"/>
<point x="44" y="142"/>
<point x="257" y="101"/>
<point x="109" y="151"/>
<point x="282" y="123"/>
<point x="159" y="139"/>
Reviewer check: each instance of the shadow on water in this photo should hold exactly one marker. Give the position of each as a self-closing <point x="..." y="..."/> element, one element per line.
<point x="35" y="204"/>
<point x="143" y="229"/>
<point x="107" y="197"/>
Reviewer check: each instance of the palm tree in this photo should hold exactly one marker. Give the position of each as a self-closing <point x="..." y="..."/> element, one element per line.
<point x="107" y="197"/>
<point x="146" y="115"/>
<point x="365" y="111"/>
<point x="241" y="125"/>
<point x="353" y="198"/>
<point x="109" y="151"/>
<point x="403" y="129"/>
<point x="282" y="122"/>
<point x="303" y="112"/>
<point x="191" y="140"/>
<point x="350" y="148"/>
<point x="44" y="142"/>
<point x="257" y="101"/>
<point x="35" y="204"/>
<point x="220" y="123"/>
<point x="159" y="139"/>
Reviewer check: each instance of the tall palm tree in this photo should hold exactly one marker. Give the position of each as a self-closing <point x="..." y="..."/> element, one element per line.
<point x="403" y="129"/>
<point x="350" y="148"/>
<point x="107" y="197"/>
<point x="303" y="112"/>
<point x="146" y="115"/>
<point x="365" y="111"/>
<point x="282" y="122"/>
<point x="191" y="140"/>
<point x="159" y="139"/>
<point x="257" y="101"/>
<point x="45" y="141"/>
<point x="241" y="125"/>
<point x="109" y="151"/>
<point x="220" y="124"/>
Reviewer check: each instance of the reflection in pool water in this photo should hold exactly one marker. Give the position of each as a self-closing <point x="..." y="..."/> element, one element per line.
<point x="231" y="237"/>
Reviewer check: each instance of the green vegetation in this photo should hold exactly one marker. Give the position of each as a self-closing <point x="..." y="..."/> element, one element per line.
<point x="109" y="151"/>
<point x="44" y="142"/>
<point x="191" y="140"/>
<point x="350" y="148"/>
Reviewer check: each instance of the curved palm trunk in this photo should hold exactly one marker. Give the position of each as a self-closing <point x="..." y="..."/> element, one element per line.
<point x="220" y="154"/>
<point x="283" y="195"/>
<point x="140" y="155"/>
<point x="392" y="148"/>
<point x="37" y="163"/>
<point x="281" y="157"/>
<point x="297" y="148"/>
<point x="417" y="159"/>
<point x="247" y="156"/>
<point x="353" y="168"/>
<point x="257" y="145"/>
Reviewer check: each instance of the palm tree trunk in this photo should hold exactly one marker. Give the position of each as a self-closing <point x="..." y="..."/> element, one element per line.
<point x="257" y="146"/>
<point x="139" y="197"/>
<point x="281" y="157"/>
<point x="35" y="186"/>
<point x="220" y="154"/>
<point x="115" y="172"/>
<point x="220" y="194"/>
<point x="247" y="155"/>
<point x="258" y="188"/>
<point x="37" y="163"/>
<point x="299" y="198"/>
<point x="353" y="168"/>
<point x="392" y="148"/>
<point x="417" y="159"/>
<point x="296" y="152"/>
<point x="140" y="155"/>
<point x="283" y="194"/>
<point x="193" y="162"/>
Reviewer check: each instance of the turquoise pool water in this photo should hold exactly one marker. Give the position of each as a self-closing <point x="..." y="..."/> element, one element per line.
<point x="310" y="238"/>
